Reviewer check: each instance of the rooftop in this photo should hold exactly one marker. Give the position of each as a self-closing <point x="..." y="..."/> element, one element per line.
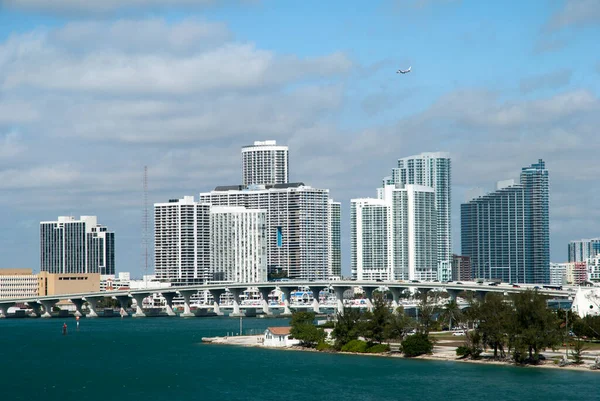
<point x="279" y="331"/>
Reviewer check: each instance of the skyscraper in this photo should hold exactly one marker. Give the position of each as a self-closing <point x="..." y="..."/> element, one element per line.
<point x="583" y="249"/>
<point x="395" y="237"/>
<point x="196" y="242"/>
<point x="238" y="247"/>
<point x="534" y="180"/>
<point x="76" y="246"/>
<point x="182" y="241"/>
<point x="297" y="224"/>
<point x="431" y="169"/>
<point x="506" y="232"/>
<point x="370" y="239"/>
<point x="265" y="163"/>
<point x="335" y="239"/>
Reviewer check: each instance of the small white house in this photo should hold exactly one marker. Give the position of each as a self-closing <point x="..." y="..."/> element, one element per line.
<point x="278" y="337"/>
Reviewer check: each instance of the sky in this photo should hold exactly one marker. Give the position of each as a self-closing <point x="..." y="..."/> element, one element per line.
<point x="93" y="91"/>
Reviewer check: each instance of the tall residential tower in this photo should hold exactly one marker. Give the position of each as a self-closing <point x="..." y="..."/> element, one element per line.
<point x="395" y="237"/>
<point x="265" y="163"/>
<point x="431" y="169"/>
<point x="506" y="233"/>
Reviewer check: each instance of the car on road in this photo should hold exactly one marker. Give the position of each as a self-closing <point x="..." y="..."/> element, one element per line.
<point x="458" y="333"/>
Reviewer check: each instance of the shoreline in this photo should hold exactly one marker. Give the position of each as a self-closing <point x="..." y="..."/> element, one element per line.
<point x="440" y="353"/>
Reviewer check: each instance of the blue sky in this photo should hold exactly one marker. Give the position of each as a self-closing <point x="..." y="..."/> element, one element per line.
<point x="90" y="92"/>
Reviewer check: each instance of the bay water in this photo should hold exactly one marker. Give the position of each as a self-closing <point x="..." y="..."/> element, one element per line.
<point x="158" y="359"/>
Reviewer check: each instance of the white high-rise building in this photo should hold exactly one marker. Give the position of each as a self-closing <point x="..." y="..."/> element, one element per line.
<point x="182" y="241"/>
<point x="297" y="225"/>
<point x="558" y="273"/>
<point x="196" y="242"/>
<point x="394" y="237"/>
<point x="431" y="169"/>
<point x="335" y="238"/>
<point x="76" y="246"/>
<point x="265" y="163"/>
<point x="370" y="239"/>
<point x="238" y="246"/>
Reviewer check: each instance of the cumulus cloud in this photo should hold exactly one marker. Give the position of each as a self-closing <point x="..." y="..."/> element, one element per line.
<point x="46" y="61"/>
<point x="575" y="13"/>
<point x="85" y="106"/>
<point x="551" y="80"/>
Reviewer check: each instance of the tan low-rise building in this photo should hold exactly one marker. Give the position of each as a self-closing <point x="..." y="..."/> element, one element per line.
<point x="18" y="283"/>
<point x="67" y="283"/>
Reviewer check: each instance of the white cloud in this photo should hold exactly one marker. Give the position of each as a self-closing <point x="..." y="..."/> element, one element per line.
<point x="551" y="80"/>
<point x="48" y="61"/>
<point x="53" y="177"/>
<point x="575" y="13"/>
<point x="10" y="145"/>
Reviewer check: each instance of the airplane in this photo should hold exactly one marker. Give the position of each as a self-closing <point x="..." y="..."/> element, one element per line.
<point x="403" y="71"/>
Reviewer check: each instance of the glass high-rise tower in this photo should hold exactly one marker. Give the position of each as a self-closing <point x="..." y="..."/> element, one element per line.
<point x="506" y="233"/>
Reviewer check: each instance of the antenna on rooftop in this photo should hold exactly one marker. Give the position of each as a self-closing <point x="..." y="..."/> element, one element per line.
<point x="145" y="234"/>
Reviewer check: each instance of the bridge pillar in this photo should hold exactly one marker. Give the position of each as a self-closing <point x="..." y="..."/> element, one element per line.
<point x="37" y="308"/>
<point x="315" y="291"/>
<point x="187" y="297"/>
<point x="236" y="292"/>
<point x="480" y="295"/>
<point x="78" y="302"/>
<point x="453" y="294"/>
<point x="124" y="301"/>
<point x="395" y="299"/>
<point x="286" y="300"/>
<point x="216" y="294"/>
<point x="4" y="309"/>
<point x="168" y="296"/>
<point x="369" y="294"/>
<point x="139" y="301"/>
<point x="92" y="305"/>
<point x="48" y="305"/>
<point x="339" y="297"/>
<point x="264" y="292"/>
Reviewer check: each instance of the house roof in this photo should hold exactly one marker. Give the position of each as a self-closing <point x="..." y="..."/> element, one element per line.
<point x="279" y="331"/>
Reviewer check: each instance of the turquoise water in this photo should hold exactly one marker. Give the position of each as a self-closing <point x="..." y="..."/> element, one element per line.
<point x="159" y="359"/>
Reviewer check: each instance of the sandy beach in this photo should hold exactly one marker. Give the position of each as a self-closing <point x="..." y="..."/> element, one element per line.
<point x="440" y="353"/>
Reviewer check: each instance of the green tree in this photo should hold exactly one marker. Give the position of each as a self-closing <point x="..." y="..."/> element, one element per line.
<point x="451" y="313"/>
<point x="577" y="351"/>
<point x="399" y="325"/>
<point x="417" y="344"/>
<point x="494" y="315"/>
<point x="303" y="329"/>
<point x="427" y="309"/>
<point x="377" y="320"/>
<point x="534" y="327"/>
<point x="348" y="327"/>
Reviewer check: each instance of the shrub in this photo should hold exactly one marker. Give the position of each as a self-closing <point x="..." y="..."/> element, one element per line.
<point x="466" y="351"/>
<point x="327" y="325"/>
<point x="463" y="350"/>
<point x="355" y="346"/>
<point x="323" y="346"/>
<point x="378" y="349"/>
<point x="417" y="344"/>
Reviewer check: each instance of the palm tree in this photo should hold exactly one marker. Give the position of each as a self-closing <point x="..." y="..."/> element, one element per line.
<point x="451" y="312"/>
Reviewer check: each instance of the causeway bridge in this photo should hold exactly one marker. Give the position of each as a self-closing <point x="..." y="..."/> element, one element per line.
<point x="286" y="287"/>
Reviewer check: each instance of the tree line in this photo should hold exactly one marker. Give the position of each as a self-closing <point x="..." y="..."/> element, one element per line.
<point x="518" y="327"/>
